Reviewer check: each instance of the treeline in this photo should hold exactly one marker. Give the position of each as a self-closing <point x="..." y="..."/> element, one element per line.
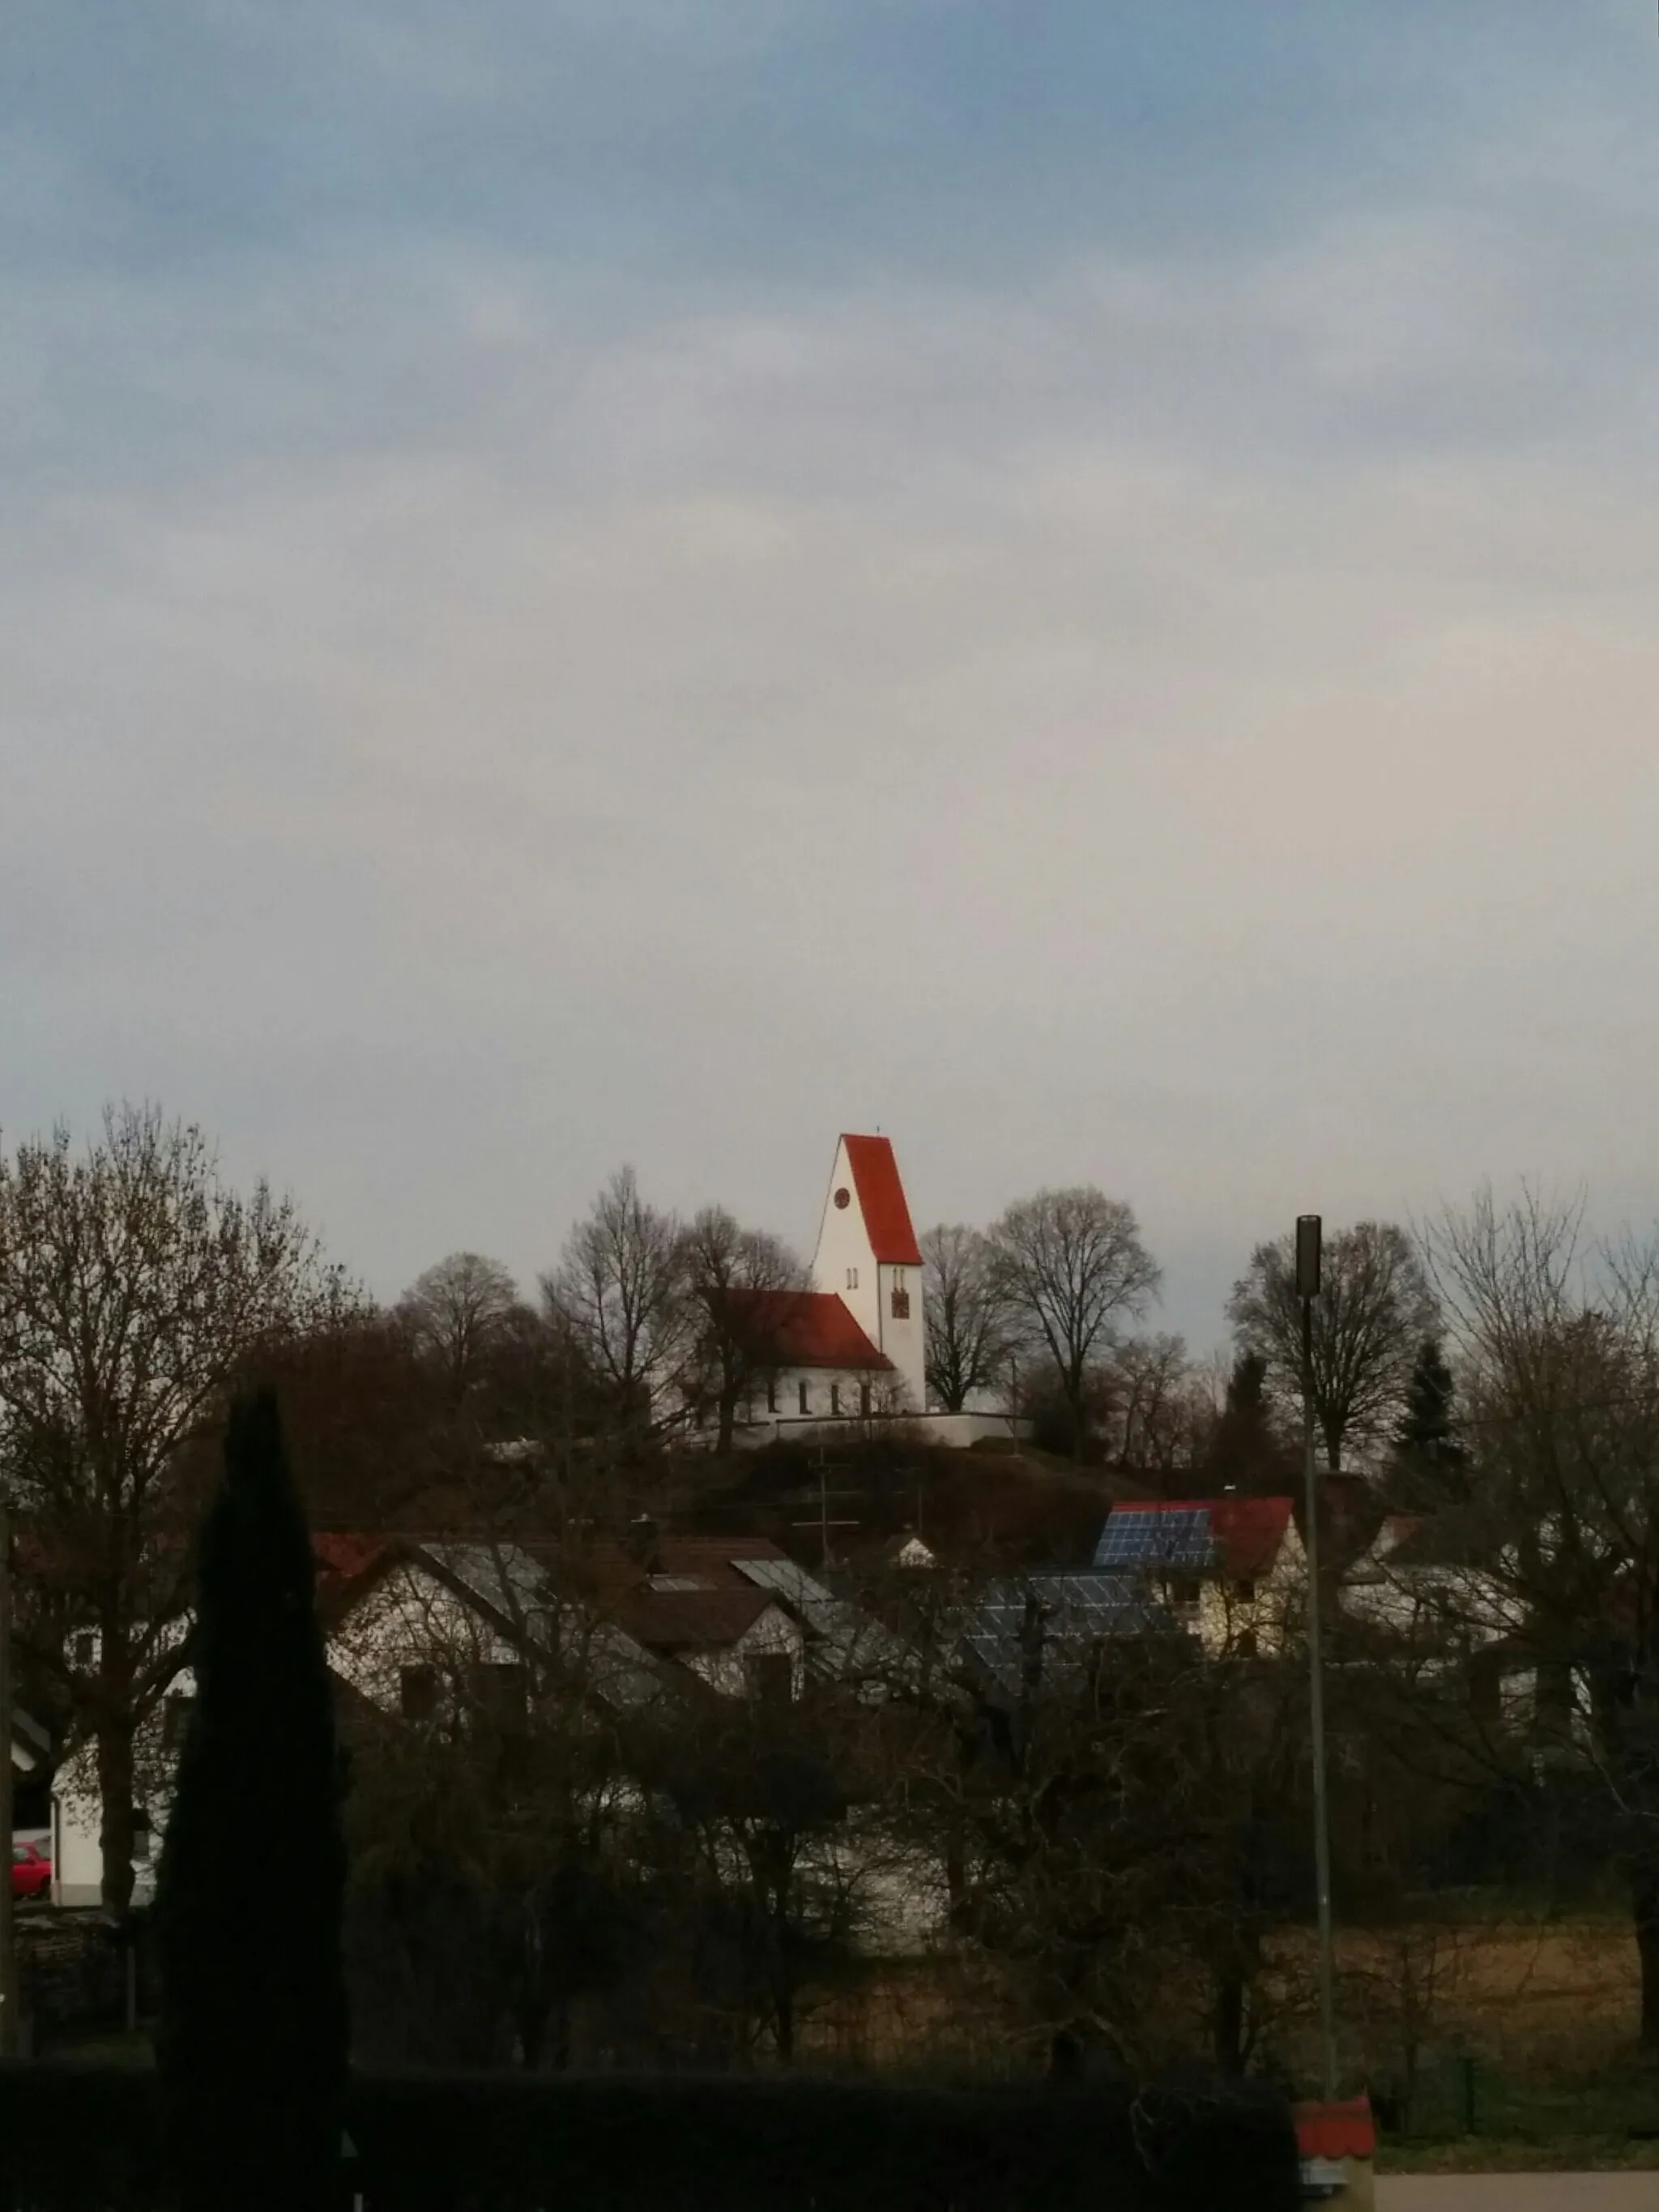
<point x="1100" y="1833"/>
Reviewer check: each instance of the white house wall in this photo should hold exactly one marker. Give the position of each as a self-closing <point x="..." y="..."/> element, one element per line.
<point x="411" y="1618"/>
<point x="727" y="1670"/>
<point x="77" y="1857"/>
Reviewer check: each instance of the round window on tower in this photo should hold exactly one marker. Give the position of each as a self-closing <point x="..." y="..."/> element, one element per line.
<point x="843" y="1196"/>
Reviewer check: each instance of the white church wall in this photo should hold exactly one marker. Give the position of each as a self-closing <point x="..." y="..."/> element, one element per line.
<point x="844" y="1263"/>
<point x="902" y="1330"/>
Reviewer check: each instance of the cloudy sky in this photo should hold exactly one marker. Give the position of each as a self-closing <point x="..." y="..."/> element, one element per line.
<point x="1073" y="579"/>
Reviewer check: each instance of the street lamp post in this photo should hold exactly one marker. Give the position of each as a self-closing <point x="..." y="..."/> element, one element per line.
<point x="1308" y="1237"/>
<point x="10" y="2025"/>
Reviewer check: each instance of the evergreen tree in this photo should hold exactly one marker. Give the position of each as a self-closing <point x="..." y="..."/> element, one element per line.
<point x="1430" y="1457"/>
<point x="1246" y="1453"/>
<point x="253" y="2040"/>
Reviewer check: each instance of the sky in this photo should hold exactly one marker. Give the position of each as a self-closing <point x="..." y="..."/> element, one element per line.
<point x="601" y="581"/>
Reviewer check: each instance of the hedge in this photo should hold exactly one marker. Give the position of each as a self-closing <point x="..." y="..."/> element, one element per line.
<point x="76" y="2139"/>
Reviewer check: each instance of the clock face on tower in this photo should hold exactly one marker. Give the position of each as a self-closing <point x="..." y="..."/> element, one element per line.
<point x="843" y="1196"/>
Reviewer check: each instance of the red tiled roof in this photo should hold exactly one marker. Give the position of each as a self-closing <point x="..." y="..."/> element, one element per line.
<point x="1345" y="2130"/>
<point x="344" y="1556"/>
<point x="882" y="1201"/>
<point x="344" y="1564"/>
<point x="1247" y="1531"/>
<point x="808" y="1328"/>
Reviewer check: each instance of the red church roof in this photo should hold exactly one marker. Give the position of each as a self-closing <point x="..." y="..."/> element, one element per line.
<point x="808" y="1328"/>
<point x="882" y="1201"/>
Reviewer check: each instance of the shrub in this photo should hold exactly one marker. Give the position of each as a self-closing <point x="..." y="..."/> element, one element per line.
<point x="79" y="2140"/>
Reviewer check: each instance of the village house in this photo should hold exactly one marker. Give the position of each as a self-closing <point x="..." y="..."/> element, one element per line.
<point x="1229" y="1569"/>
<point x="414" y="1629"/>
<point x="1436" y="1595"/>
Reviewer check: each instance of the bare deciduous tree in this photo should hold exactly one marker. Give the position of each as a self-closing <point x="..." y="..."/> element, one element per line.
<point x="1069" y="1265"/>
<point x="967" y="1332"/>
<point x="134" y="1286"/>
<point x="1558" y="1349"/>
<point x="1151" y="1409"/>
<point x="457" y="1312"/>
<point x="1374" y="1309"/>
<point x="619" y="1288"/>
<point x="728" y="1276"/>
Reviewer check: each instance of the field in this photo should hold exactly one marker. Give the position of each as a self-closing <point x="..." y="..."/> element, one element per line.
<point x="1524" y="2036"/>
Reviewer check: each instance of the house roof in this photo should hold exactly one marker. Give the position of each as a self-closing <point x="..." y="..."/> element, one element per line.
<point x="808" y="1328"/>
<point x="690" y="1620"/>
<point x="1070" y="1612"/>
<point x="882" y="1200"/>
<point x="30" y="1744"/>
<point x="504" y="1577"/>
<point x="1241" y="1535"/>
<point x="341" y="1558"/>
<point x="1249" y="1532"/>
<point x="710" y="1559"/>
<point x="1339" y="2130"/>
<point x="1447" y="1538"/>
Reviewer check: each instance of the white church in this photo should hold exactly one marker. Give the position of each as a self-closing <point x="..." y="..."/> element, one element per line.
<point x="853" y="1347"/>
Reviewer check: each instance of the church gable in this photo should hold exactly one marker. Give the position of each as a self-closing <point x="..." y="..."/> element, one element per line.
<point x="867" y="1255"/>
<point x="866" y="1223"/>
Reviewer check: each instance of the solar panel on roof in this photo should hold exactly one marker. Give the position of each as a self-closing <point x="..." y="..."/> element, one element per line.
<point x="1137" y="1537"/>
<point x="1074" y="1610"/>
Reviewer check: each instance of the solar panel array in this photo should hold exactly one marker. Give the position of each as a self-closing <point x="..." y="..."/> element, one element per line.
<point x="1137" y="1537"/>
<point x="1073" y="1611"/>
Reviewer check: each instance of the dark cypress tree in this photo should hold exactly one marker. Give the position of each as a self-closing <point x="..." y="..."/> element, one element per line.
<point x="1430" y="1459"/>
<point x="253" y="2031"/>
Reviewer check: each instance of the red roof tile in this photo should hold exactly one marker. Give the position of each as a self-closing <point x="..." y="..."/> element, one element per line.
<point x="882" y="1201"/>
<point x="808" y="1328"/>
<point x="346" y="1557"/>
<point x="1247" y="1530"/>
<point x="1345" y="2130"/>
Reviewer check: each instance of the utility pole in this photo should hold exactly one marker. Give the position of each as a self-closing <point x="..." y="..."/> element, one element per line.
<point x="824" y="1524"/>
<point x="10" y="2038"/>
<point x="1308" y="1238"/>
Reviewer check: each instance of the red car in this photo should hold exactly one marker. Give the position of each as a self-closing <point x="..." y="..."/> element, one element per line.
<point x="31" y="1871"/>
